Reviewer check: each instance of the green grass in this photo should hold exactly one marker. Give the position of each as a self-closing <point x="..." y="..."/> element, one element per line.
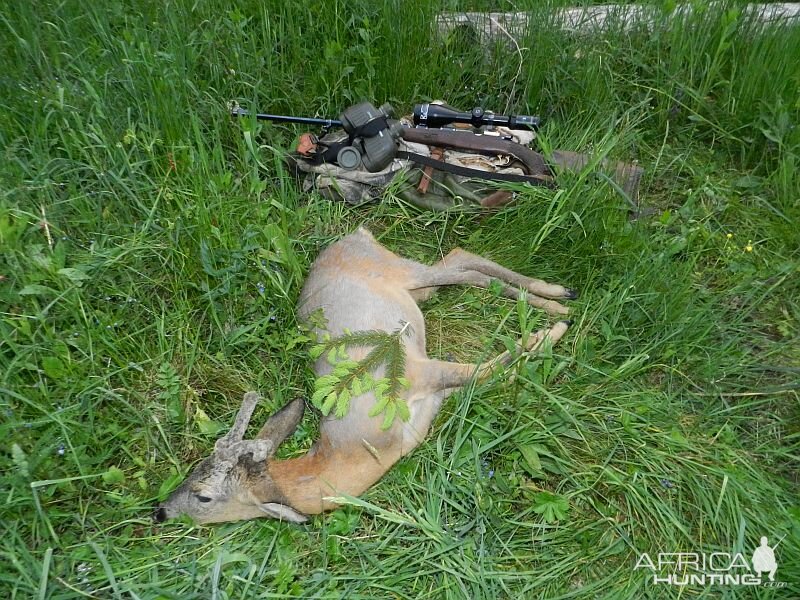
<point x="139" y="226"/>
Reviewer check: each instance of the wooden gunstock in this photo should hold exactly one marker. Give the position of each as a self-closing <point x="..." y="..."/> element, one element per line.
<point x="481" y="144"/>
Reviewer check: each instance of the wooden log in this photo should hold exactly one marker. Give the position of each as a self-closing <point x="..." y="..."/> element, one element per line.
<point x="498" y="25"/>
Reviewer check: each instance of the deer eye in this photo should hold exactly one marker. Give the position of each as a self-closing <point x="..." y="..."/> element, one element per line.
<point x="203" y="499"/>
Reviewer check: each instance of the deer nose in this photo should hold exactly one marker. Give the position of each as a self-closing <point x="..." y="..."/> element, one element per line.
<point x="159" y="515"/>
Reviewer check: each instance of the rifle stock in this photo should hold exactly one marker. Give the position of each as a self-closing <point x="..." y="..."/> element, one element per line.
<point x="482" y="144"/>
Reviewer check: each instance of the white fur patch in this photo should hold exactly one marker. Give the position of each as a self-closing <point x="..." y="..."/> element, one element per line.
<point x="282" y="512"/>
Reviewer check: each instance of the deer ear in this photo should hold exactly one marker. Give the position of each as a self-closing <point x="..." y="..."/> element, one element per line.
<point x="283" y="423"/>
<point x="282" y="512"/>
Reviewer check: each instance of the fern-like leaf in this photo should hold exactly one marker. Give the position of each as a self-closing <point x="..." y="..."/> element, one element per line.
<point x="350" y="378"/>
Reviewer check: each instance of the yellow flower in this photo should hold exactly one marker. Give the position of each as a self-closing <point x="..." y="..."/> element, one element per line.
<point x="749" y="247"/>
<point x="729" y="235"/>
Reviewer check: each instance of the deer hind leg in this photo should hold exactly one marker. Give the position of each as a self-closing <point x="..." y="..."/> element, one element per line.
<point x="466" y="261"/>
<point x="442" y="376"/>
<point x="461" y="267"/>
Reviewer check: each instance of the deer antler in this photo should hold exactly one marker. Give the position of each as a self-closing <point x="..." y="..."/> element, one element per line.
<point x="233" y="444"/>
<point x="236" y="434"/>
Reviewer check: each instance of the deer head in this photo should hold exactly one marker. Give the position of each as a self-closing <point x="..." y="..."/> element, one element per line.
<point x="234" y="482"/>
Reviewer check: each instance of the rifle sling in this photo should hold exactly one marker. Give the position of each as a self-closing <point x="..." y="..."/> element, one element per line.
<point x="482" y="144"/>
<point x="474" y="173"/>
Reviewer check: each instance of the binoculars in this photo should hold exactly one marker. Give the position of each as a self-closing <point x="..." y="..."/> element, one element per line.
<point x="372" y="137"/>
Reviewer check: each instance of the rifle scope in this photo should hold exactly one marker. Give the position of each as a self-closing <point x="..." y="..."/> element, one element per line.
<point x="435" y="115"/>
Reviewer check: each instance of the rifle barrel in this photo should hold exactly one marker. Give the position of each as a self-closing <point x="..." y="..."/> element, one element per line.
<point x="241" y="112"/>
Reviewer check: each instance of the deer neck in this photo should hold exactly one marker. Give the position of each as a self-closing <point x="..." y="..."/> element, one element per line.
<point x="326" y="472"/>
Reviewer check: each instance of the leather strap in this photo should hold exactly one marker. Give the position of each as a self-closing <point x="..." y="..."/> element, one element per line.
<point x="441" y="165"/>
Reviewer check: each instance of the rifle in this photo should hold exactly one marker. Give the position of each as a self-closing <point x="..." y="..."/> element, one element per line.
<point x="424" y="115"/>
<point x="373" y="135"/>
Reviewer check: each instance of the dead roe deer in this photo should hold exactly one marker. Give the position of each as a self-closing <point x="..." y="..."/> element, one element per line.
<point x="360" y="286"/>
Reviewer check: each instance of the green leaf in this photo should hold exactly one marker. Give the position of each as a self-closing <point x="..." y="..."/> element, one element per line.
<point x="341" y="371"/>
<point x="169" y="484"/>
<point x="553" y="507"/>
<point x="53" y="367"/>
<point x="355" y="387"/>
<point x="20" y="460"/>
<point x="326" y="381"/>
<point x="572" y="434"/>
<point x="342" y="403"/>
<point x="328" y="404"/>
<point x="391" y="409"/>
<point x="175" y="409"/>
<point x="319" y="396"/>
<point x="496" y="287"/>
<point x="76" y="276"/>
<point x="113" y="475"/>
<point x="677" y="245"/>
<point x="533" y="463"/>
<point x="35" y="289"/>
<point x="205" y="424"/>
<point x="379" y="406"/>
<point x="402" y="410"/>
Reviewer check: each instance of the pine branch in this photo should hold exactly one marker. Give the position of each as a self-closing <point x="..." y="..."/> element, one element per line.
<point x="351" y="378"/>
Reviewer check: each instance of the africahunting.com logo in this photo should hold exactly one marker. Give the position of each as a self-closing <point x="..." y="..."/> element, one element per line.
<point x="715" y="568"/>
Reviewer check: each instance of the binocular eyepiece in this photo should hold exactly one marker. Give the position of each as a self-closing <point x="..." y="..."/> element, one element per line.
<point x="373" y="137"/>
<point x="437" y="115"/>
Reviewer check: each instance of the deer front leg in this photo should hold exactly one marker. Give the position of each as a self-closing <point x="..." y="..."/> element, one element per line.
<point x="439" y="375"/>
<point x="533" y="345"/>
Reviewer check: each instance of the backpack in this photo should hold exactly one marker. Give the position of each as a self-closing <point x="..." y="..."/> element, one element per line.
<point x="439" y="178"/>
